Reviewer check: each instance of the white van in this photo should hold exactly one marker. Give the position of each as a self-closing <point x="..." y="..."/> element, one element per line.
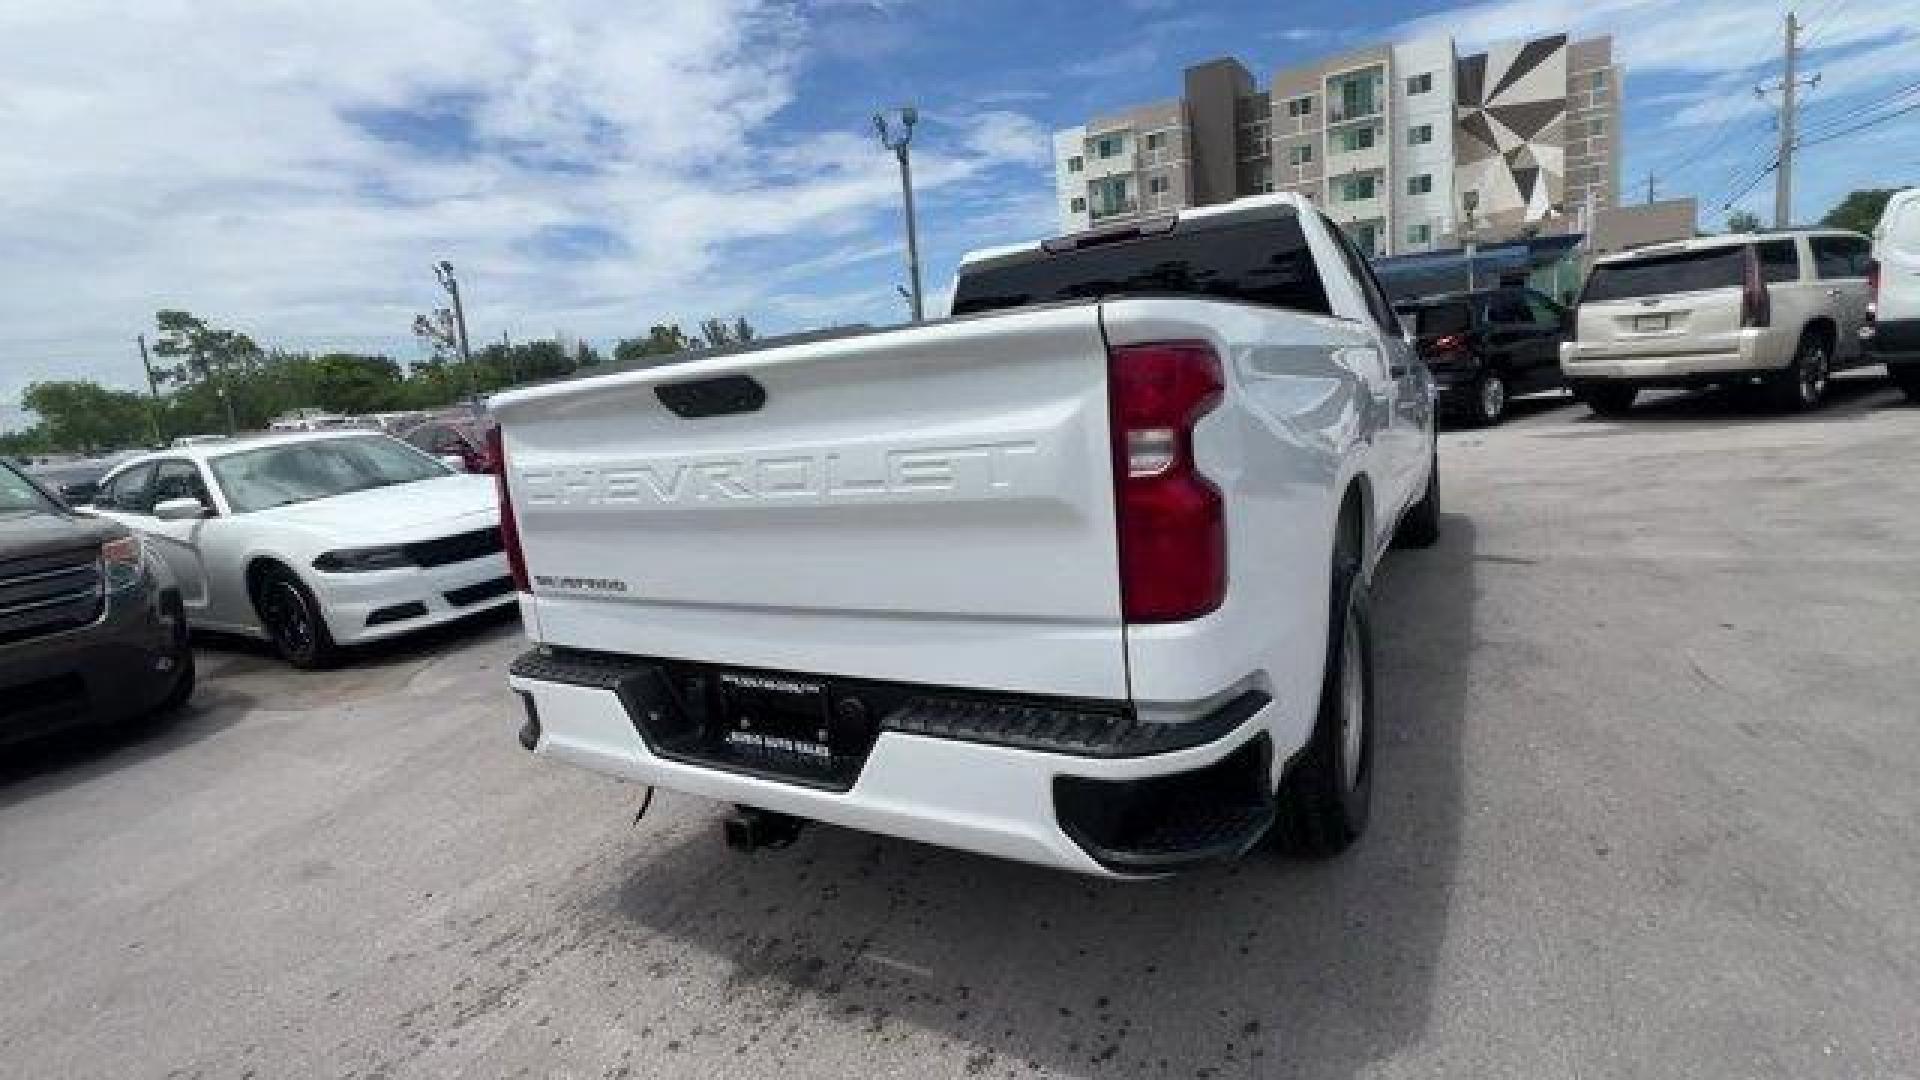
<point x="1893" y="281"/>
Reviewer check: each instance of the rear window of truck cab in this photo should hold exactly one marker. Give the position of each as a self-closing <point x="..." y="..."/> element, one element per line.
<point x="1264" y="260"/>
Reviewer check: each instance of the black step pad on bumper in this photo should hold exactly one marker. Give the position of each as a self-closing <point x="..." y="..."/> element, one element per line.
<point x="1159" y="824"/>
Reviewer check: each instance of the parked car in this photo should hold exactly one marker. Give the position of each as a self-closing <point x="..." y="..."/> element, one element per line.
<point x="1078" y="577"/>
<point x="1487" y="346"/>
<point x="91" y="628"/>
<point x="1893" y="284"/>
<point x="1784" y="309"/>
<point x="185" y="441"/>
<point x="306" y="420"/>
<point x="316" y="540"/>
<point x="459" y="442"/>
<point x="75" y="480"/>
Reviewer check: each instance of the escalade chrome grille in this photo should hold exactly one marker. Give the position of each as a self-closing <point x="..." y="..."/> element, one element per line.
<point x="45" y="594"/>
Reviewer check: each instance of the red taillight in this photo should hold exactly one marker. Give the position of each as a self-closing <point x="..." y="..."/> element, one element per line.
<point x="1756" y="307"/>
<point x="1447" y="343"/>
<point x="509" y="528"/>
<point x="1873" y="290"/>
<point x="1171" y="522"/>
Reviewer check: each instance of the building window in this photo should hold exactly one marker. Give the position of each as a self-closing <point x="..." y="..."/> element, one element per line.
<point x="1350" y="140"/>
<point x="1596" y="127"/>
<point x="1157" y="140"/>
<point x="1420" y="184"/>
<point x="1420" y="136"/>
<point x="1600" y="81"/>
<point x="1110" y="197"/>
<point x="1263" y="177"/>
<point x="1420" y="234"/>
<point x="1109" y="146"/>
<point x="1076" y="163"/>
<point x="1301" y="154"/>
<point x="1079" y="205"/>
<point x="1354" y="95"/>
<point x="1300" y="106"/>
<point x="1357" y="188"/>
<point x="1420" y="84"/>
<point x="1158" y="185"/>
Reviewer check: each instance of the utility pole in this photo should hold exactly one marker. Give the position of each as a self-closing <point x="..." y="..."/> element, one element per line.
<point x="153" y="391"/>
<point x="1649" y="185"/>
<point x="1790" y="83"/>
<point x="444" y="271"/>
<point x="899" y="145"/>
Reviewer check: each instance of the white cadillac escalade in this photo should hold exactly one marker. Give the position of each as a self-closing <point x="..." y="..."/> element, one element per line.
<point x="1077" y="576"/>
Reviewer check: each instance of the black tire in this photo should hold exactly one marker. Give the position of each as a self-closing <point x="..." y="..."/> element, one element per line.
<point x="1327" y="797"/>
<point x="1421" y="526"/>
<point x="1607" y="400"/>
<point x="1907" y="378"/>
<point x="185" y="675"/>
<point x="1488" y="404"/>
<point x="293" y="620"/>
<point x="1802" y="387"/>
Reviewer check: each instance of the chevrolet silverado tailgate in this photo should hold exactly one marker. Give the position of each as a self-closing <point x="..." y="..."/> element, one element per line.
<point x="932" y="504"/>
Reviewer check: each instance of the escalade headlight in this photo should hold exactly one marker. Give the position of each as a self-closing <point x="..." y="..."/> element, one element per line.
<point x="124" y="563"/>
<point x="362" y="560"/>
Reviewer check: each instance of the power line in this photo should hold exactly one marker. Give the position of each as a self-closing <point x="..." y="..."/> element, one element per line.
<point x="1749" y="185"/>
<point x="1862" y="125"/>
<point x="1830" y="124"/>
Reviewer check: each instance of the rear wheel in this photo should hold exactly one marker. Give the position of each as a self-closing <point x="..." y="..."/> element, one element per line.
<point x="1489" y="402"/>
<point x="292" y="619"/>
<point x="1802" y="387"/>
<point x="1327" y="797"/>
<point x="1907" y="378"/>
<point x="1606" y="399"/>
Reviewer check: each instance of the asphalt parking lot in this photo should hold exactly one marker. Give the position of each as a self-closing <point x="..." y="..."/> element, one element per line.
<point x="1647" y="806"/>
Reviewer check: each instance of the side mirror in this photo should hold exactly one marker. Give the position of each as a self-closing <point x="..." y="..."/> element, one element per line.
<point x="454" y="462"/>
<point x="179" y="510"/>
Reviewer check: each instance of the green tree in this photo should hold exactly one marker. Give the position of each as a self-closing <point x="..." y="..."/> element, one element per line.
<point x="208" y="356"/>
<point x="87" y="417"/>
<point x="1743" y="221"/>
<point x="663" y="339"/>
<point x="1860" y="210"/>
<point x="351" y="383"/>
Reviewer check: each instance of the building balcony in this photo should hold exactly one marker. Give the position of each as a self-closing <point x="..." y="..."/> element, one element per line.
<point x="1120" y="209"/>
<point x="1369" y="111"/>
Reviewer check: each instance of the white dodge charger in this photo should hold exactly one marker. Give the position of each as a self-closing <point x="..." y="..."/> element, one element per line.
<point x="315" y="541"/>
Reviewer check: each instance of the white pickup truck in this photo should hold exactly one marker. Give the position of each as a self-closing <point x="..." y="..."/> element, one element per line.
<point x="1077" y="576"/>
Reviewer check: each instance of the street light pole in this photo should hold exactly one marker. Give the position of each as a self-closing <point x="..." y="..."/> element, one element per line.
<point x="899" y="145"/>
<point x="1470" y="201"/>
<point x="444" y="271"/>
<point x="153" y="390"/>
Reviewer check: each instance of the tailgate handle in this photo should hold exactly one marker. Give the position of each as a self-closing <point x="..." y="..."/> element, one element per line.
<point x="713" y="397"/>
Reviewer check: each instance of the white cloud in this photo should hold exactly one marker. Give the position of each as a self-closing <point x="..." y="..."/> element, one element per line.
<point x="598" y="165"/>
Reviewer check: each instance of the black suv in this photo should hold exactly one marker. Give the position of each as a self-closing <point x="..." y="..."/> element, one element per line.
<point x="90" y="629"/>
<point x="1487" y="346"/>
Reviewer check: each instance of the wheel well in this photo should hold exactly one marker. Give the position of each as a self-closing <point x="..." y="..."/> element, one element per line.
<point x="1351" y="527"/>
<point x="257" y="572"/>
<point x="1825" y="329"/>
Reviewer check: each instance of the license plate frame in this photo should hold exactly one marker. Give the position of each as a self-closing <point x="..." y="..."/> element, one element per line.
<point x="1652" y="324"/>
<point x="783" y="722"/>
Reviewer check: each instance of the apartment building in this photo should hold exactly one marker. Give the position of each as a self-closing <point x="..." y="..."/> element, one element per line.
<point x="1408" y="145"/>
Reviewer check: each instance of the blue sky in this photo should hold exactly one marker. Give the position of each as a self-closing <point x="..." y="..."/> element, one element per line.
<point x="594" y="166"/>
